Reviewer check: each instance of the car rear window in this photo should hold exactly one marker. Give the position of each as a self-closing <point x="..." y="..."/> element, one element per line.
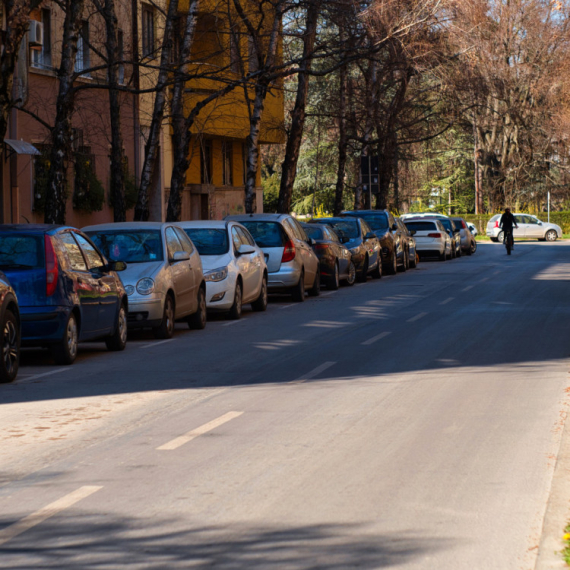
<point x="21" y="251"/>
<point x="459" y="223"/>
<point x="133" y="246"/>
<point x="495" y="218"/>
<point x="266" y="234"/>
<point x="314" y="231"/>
<point x="209" y="241"/>
<point x="421" y="226"/>
<point x="446" y="224"/>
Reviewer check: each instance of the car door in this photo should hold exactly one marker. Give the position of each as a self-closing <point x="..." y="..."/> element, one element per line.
<point x="180" y="273"/>
<point x="86" y="287"/>
<point x="109" y="294"/>
<point x="534" y="229"/>
<point x="372" y="244"/>
<point x="522" y="225"/>
<point x="310" y="261"/>
<point x="254" y="273"/>
<point x="195" y="264"/>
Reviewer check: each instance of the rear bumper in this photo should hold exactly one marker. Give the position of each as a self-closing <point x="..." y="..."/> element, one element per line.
<point x="43" y="325"/>
<point x="432" y="247"/>
<point x="288" y="276"/>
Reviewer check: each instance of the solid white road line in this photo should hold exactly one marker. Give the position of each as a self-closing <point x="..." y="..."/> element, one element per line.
<point x="50" y="510"/>
<point x="467" y="288"/>
<point x="416" y="318"/>
<point x="376" y="338"/>
<point x="36" y="376"/>
<point x="152" y="344"/>
<point x="313" y="373"/>
<point x="448" y="300"/>
<point x="179" y="441"/>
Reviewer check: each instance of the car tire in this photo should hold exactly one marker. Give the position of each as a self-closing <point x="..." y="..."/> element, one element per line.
<point x="393" y="269"/>
<point x="404" y="267"/>
<point x="377" y="273"/>
<point x="298" y="292"/>
<point x="443" y="256"/>
<point x="65" y="351"/>
<point x="473" y="247"/>
<point x="235" y="312"/>
<point x="551" y="235"/>
<point x="350" y="280"/>
<point x="197" y="321"/>
<point x="459" y="252"/>
<point x="166" y="328"/>
<point x="362" y="275"/>
<point x="260" y="304"/>
<point x="334" y="281"/>
<point x="118" y="340"/>
<point x="414" y="263"/>
<point x="500" y="237"/>
<point x="315" y="290"/>
<point x="10" y="348"/>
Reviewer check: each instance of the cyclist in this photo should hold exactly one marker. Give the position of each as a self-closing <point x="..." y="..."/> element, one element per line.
<point x="506" y="224"/>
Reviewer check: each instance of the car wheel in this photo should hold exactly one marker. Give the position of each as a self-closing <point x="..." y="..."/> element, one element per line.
<point x="166" y="328"/>
<point x="351" y="275"/>
<point x="65" y="352"/>
<point x="118" y="340"/>
<point x="500" y="237"/>
<point x="197" y="321"/>
<point x="10" y="348"/>
<point x="394" y="264"/>
<point x="334" y="281"/>
<point x="473" y="247"/>
<point x="362" y="275"/>
<point x="298" y="292"/>
<point x="235" y="311"/>
<point x="443" y="256"/>
<point x="405" y="264"/>
<point x="260" y="304"/>
<point x="413" y="261"/>
<point x="315" y="290"/>
<point x="551" y="235"/>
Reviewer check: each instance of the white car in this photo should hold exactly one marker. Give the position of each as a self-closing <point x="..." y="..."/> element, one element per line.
<point x="234" y="266"/>
<point x="431" y="237"/>
<point x="529" y="227"/>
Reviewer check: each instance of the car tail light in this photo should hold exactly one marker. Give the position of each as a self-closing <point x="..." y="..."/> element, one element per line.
<point x="321" y="246"/>
<point x="496" y="223"/>
<point x="288" y="252"/>
<point x="463" y="225"/>
<point x="52" y="270"/>
<point x="438" y="235"/>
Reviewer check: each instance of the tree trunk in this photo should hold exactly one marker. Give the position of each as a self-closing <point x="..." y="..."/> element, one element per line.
<point x="62" y="132"/>
<point x="181" y="124"/>
<point x="342" y="138"/>
<point x="117" y="154"/>
<point x="153" y="143"/>
<point x="295" y="138"/>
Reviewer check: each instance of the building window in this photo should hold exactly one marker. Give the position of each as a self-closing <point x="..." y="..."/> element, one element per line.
<point x="82" y="60"/>
<point x="148" y="41"/>
<point x="121" y="55"/>
<point x="206" y="163"/>
<point x="41" y="56"/>
<point x="227" y="163"/>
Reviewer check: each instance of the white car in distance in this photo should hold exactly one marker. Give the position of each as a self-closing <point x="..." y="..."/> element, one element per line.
<point x="431" y="237"/>
<point x="234" y="266"/>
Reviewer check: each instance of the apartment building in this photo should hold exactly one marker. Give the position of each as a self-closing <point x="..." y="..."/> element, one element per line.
<point x="215" y="180"/>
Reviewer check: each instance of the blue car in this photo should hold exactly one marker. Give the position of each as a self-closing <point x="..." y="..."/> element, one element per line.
<point x="67" y="291"/>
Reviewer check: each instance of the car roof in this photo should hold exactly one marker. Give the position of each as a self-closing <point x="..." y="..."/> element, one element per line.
<point x="357" y="212"/>
<point x="256" y="217"/>
<point x="213" y="224"/>
<point x="327" y="220"/>
<point x="32" y="228"/>
<point x="128" y="226"/>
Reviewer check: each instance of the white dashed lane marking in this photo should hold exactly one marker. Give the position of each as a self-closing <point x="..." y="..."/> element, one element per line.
<point x="448" y="300"/>
<point x="313" y="373"/>
<point x="467" y="288"/>
<point x="416" y="318"/>
<point x="376" y="338"/>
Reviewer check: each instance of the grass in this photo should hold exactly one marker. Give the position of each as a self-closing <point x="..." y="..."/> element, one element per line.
<point x="566" y="551"/>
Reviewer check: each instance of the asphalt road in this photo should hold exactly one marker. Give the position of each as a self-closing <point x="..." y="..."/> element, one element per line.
<point x="412" y="422"/>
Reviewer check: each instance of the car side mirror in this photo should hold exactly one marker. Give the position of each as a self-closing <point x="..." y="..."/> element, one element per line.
<point x="116" y="266"/>
<point x="540" y="223"/>
<point x="311" y="241"/>
<point x="180" y="256"/>
<point x="245" y="249"/>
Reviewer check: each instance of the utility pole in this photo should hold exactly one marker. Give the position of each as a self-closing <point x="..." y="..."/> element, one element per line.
<point x="477" y="189"/>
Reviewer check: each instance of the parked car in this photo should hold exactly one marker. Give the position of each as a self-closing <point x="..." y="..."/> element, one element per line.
<point x="468" y="243"/>
<point x="292" y="266"/>
<point x="67" y="291"/>
<point x="334" y="258"/>
<point x="363" y="244"/>
<point x="431" y="237"/>
<point x="11" y="331"/>
<point x="450" y="228"/>
<point x="393" y="243"/>
<point x="529" y="227"/>
<point x="472" y="229"/>
<point x="164" y="279"/>
<point x="412" y="250"/>
<point x="234" y="266"/>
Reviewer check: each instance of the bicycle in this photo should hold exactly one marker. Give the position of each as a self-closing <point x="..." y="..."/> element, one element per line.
<point x="509" y="241"/>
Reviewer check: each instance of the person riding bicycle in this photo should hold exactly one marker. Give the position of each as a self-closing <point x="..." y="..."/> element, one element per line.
<point x="506" y="224"/>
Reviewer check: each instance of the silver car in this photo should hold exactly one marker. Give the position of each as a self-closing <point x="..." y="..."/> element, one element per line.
<point x="529" y="227"/>
<point x="468" y="243"/>
<point x="163" y="279"/>
<point x="292" y="265"/>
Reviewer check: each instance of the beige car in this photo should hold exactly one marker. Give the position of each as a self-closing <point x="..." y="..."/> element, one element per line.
<point x="163" y="279"/>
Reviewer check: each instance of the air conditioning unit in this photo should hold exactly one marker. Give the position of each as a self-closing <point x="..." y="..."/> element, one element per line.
<point x="36" y="33"/>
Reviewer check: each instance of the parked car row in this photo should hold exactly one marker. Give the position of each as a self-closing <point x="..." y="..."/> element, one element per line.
<point x="61" y="286"/>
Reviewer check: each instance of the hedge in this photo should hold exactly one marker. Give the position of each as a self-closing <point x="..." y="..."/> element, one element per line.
<point x="560" y="218"/>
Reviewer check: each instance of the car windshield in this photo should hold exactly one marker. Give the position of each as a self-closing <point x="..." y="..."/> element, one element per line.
<point x="376" y="222"/>
<point x="21" y="251"/>
<point x="132" y="246"/>
<point x="313" y="231"/>
<point x="209" y="241"/>
<point x="421" y="226"/>
<point x="265" y="234"/>
<point x="345" y="228"/>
